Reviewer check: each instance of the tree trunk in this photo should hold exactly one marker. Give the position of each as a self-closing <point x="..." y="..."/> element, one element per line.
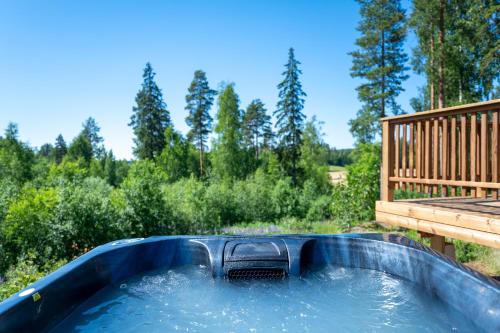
<point x="431" y="71"/>
<point x="441" y="102"/>
<point x="382" y="85"/>
<point x="201" y="157"/>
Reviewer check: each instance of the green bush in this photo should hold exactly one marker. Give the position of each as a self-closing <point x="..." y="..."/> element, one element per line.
<point x="355" y="201"/>
<point x="87" y="216"/>
<point x="24" y="273"/>
<point x="145" y="212"/>
<point x="29" y="225"/>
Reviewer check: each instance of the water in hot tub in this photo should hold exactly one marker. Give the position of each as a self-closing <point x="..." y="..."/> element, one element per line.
<point x="330" y="299"/>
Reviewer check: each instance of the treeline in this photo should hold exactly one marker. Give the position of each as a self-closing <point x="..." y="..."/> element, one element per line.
<point x="60" y="200"/>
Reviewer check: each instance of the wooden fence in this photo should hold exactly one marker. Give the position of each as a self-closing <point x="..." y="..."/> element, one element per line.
<point x="447" y="152"/>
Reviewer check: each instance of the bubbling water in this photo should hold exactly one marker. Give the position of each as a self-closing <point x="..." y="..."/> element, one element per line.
<point x="328" y="299"/>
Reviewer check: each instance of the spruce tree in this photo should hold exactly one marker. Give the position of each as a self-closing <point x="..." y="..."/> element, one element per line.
<point x="199" y="101"/>
<point x="227" y="153"/>
<point x="256" y="126"/>
<point x="150" y="118"/>
<point x="60" y="149"/>
<point x="379" y="60"/>
<point x="289" y="117"/>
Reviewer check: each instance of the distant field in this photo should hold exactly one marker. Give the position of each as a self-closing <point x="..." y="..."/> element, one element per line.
<point x="334" y="168"/>
<point x="337" y="174"/>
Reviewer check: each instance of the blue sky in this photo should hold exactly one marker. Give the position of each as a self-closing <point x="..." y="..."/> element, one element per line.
<point x="63" y="61"/>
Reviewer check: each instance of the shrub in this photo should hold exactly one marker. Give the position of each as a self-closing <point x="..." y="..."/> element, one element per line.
<point x="87" y="215"/>
<point x="145" y="212"/>
<point x="24" y="273"/>
<point x="29" y="226"/>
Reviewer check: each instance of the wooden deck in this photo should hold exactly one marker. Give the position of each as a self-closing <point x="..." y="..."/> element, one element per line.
<point x="474" y="220"/>
<point x="452" y="153"/>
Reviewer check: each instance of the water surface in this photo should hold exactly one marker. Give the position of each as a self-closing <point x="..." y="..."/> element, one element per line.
<point x="330" y="299"/>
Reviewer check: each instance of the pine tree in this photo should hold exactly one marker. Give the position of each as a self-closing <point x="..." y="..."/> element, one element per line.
<point x="379" y="60"/>
<point x="256" y="126"/>
<point x="227" y="153"/>
<point x="456" y="43"/>
<point x="199" y="101"/>
<point x="91" y="131"/>
<point x="289" y="116"/>
<point x="60" y="149"/>
<point x="150" y="118"/>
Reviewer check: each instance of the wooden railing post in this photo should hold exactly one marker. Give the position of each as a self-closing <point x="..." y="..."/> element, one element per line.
<point x="386" y="187"/>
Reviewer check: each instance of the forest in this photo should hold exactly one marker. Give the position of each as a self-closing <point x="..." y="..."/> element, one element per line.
<point x="240" y="165"/>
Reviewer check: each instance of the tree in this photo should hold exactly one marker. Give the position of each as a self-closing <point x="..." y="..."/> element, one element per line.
<point x="46" y="150"/>
<point x="227" y="153"/>
<point x="380" y="61"/>
<point x="150" y="118"/>
<point x="289" y="116"/>
<point x="175" y="155"/>
<point x="199" y="101"/>
<point x="60" y="149"/>
<point x="110" y="169"/>
<point x="81" y="147"/>
<point x="456" y="43"/>
<point x="256" y="126"/>
<point x="91" y="131"/>
<point x="16" y="157"/>
<point x="314" y="155"/>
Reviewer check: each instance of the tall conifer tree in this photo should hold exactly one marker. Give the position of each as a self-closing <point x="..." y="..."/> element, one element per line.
<point x="150" y="118"/>
<point x="379" y="60"/>
<point x="289" y="116"/>
<point x="199" y="101"/>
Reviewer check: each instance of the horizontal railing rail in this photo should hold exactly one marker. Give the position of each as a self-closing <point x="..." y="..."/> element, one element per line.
<point x="450" y="151"/>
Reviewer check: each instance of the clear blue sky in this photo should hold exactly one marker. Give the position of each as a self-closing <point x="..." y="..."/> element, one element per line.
<point x="63" y="61"/>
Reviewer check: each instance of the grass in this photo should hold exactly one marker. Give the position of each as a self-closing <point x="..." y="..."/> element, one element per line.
<point x="334" y="168"/>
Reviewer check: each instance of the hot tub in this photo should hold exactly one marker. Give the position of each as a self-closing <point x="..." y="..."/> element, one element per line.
<point x="283" y="283"/>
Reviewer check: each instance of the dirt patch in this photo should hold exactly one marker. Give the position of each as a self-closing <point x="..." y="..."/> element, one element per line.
<point x="337" y="176"/>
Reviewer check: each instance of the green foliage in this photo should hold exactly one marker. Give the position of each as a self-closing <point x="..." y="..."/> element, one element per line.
<point x="289" y="117"/>
<point x="16" y="157"/>
<point x="175" y="157"/>
<point x="91" y="131"/>
<point x="381" y="61"/>
<point x="145" y="212"/>
<point x="29" y="226"/>
<point x="355" y="201"/>
<point x="150" y="118"/>
<point x="256" y="125"/>
<point x="199" y="101"/>
<point x="339" y="157"/>
<point x="314" y="156"/>
<point x="81" y="148"/>
<point x="227" y="152"/>
<point x="87" y="216"/>
<point x="60" y="149"/>
<point x="456" y="46"/>
<point x="466" y="252"/>
<point x="25" y="273"/>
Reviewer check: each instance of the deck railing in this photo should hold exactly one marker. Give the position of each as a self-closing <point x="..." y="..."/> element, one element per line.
<point x="448" y="152"/>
